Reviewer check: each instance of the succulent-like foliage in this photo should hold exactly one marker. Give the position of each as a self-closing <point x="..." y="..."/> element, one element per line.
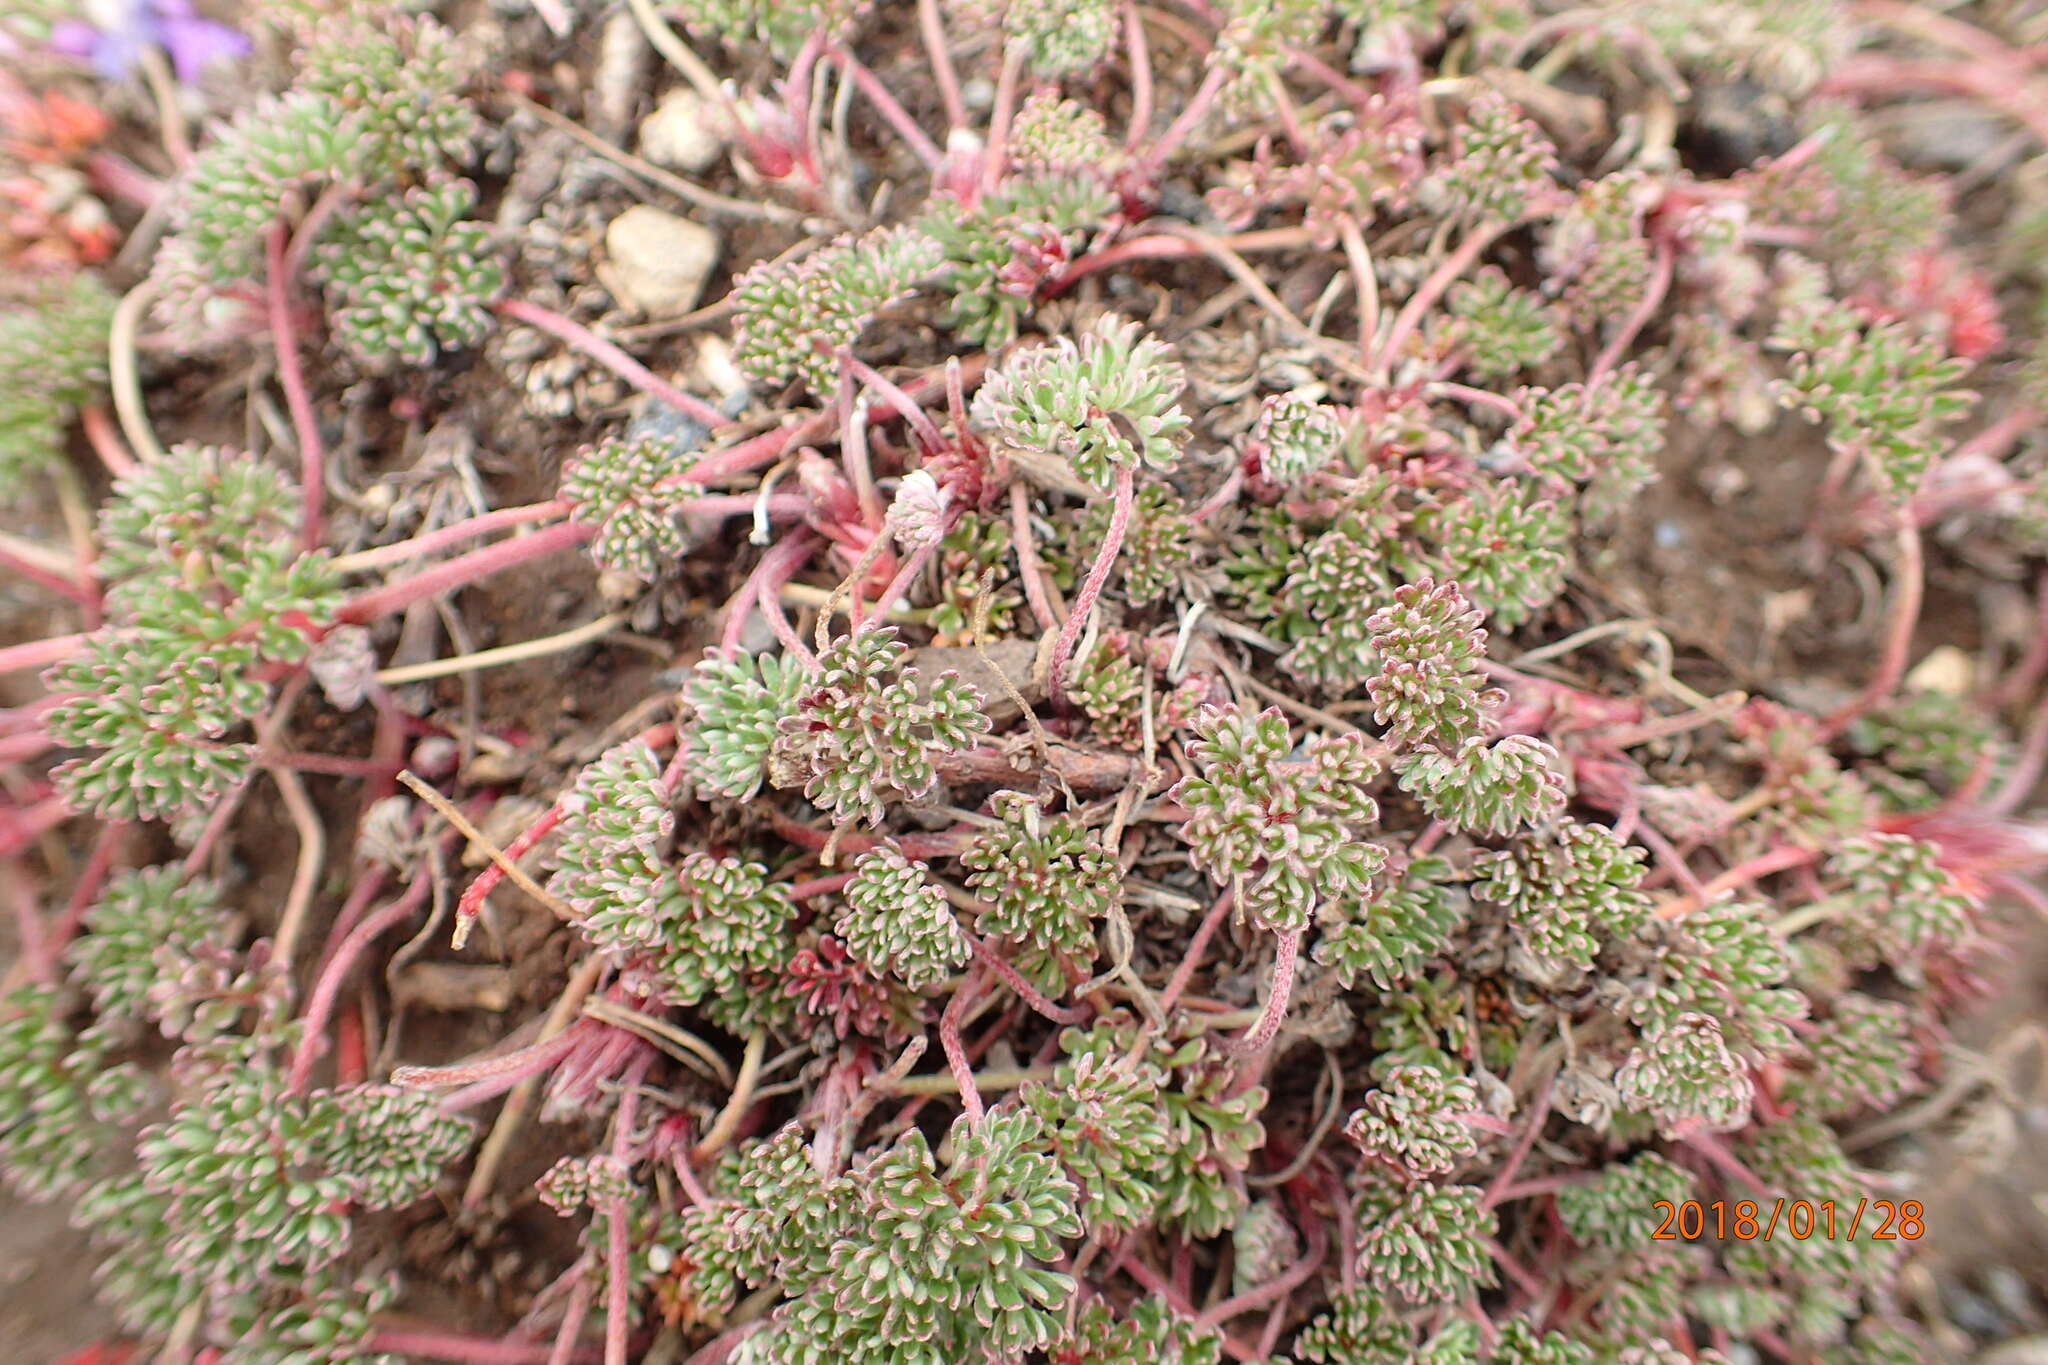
<point x="1503" y="545"/>
<point x="608" y="867"/>
<point x="790" y="319"/>
<point x="1215" y="1129"/>
<point x="1158" y="542"/>
<point x="1281" y="831"/>
<point x="1902" y="901"/>
<point x="60" y="1096"/>
<point x="1520" y="1343"/>
<point x="735" y="705"/>
<point x="1392" y="933"/>
<point x="727" y="944"/>
<point x="53" y="347"/>
<point x="1683" y="1075"/>
<point x="1018" y="238"/>
<point x="1328" y="600"/>
<point x="1883" y="391"/>
<point x="1149" y="1333"/>
<point x="255" y="1178"/>
<point x="324" y="1321"/>
<point x="1487" y="788"/>
<point x="1565" y="894"/>
<point x="781" y="28"/>
<point x="1360" y="1327"/>
<point x="1424" y="1242"/>
<point x="861" y="734"/>
<point x="1103" y="406"/>
<point x="1606" y="436"/>
<point x="946" y="1264"/>
<point x="619" y="487"/>
<point x="1105" y="1119"/>
<point x="1061" y="37"/>
<point x="1415" y="1120"/>
<point x="1502" y="161"/>
<point x="1606" y="1213"/>
<point x="1500" y="329"/>
<point x="1430" y="645"/>
<point x="1296" y="437"/>
<point x="400" y="82"/>
<point x="410" y="277"/>
<point x="897" y="923"/>
<point x="1724" y="960"/>
<point x="1047" y="880"/>
<point x="1861" y="1057"/>
<point x="237" y="186"/>
<point x="118" y="960"/>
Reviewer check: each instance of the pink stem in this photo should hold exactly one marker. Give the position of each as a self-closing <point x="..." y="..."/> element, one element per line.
<point x="617" y="1324"/>
<point x="819" y="886"/>
<point x="1027" y="557"/>
<point x="1539" y="1110"/>
<point x="997" y="158"/>
<point x="1639" y="317"/>
<point x="885" y="104"/>
<point x="472" y="902"/>
<point x="1190" y="117"/>
<point x="502" y="519"/>
<point x="25" y="747"/>
<point x="86" y="893"/>
<point x="580" y="338"/>
<point x="463" y="570"/>
<point x="1481" y="398"/>
<point x="336" y="765"/>
<point x="1222" y="497"/>
<point x="510" y="1068"/>
<point x="24" y="827"/>
<point x="1141" y="78"/>
<point x="573" y="1318"/>
<point x="106" y="441"/>
<point x="1424" y="298"/>
<point x="933" y="28"/>
<point x="1260" y="1036"/>
<point x="1280" y="1285"/>
<point x="305" y="422"/>
<point x="1197" y="945"/>
<point x="1028" y="993"/>
<point x="763" y="588"/>
<point x="906" y="407"/>
<point x="325" y="991"/>
<point x="957" y="1059"/>
<point x="40" y="653"/>
<point x="900" y="584"/>
<point x="36" y="949"/>
<point x="453" y="1346"/>
<point x="77" y="592"/>
<point x="1084" y="601"/>
<point x="1871" y="75"/>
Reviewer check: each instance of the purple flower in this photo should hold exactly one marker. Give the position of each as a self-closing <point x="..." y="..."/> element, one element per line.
<point x="117" y="32"/>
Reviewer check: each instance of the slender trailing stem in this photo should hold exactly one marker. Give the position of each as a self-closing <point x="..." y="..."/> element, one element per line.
<point x="462" y="571"/>
<point x="1261" y="1034"/>
<point x="1091" y="589"/>
<point x="1908" y="588"/>
<point x="328" y="988"/>
<point x="504" y="518"/>
<point x="581" y="339"/>
<point x="892" y="112"/>
<point x="298" y="398"/>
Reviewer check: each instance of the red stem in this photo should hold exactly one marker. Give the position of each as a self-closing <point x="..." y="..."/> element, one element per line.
<point x="106" y="441"/>
<point x="305" y="422"/>
<point x="1424" y="298"/>
<point x="457" y="1347"/>
<point x="1260" y="1036"/>
<point x="1027" y="557"/>
<point x="321" y="1002"/>
<point x="461" y="571"/>
<point x="80" y="593"/>
<point x="933" y="28"/>
<point x="1084" y="601"/>
<point x="37" y="951"/>
<point x="1028" y="993"/>
<point x="957" y="1059"/>
<point x="40" y="653"/>
<point x="886" y="105"/>
<point x="580" y="338"/>
<point x="502" y="519"/>
<point x="1190" y="117"/>
<point x="1197" y="945"/>
<point x="1141" y="78"/>
<point x="1638" y="318"/>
